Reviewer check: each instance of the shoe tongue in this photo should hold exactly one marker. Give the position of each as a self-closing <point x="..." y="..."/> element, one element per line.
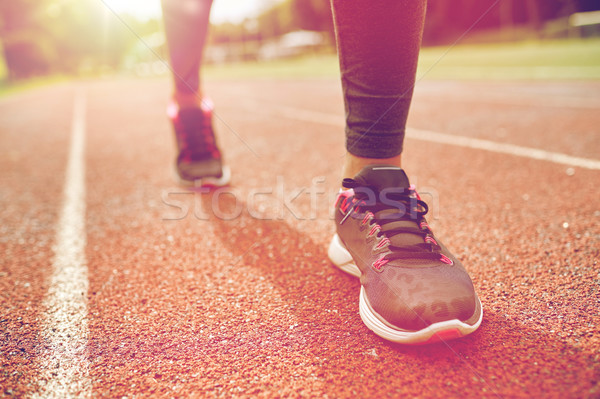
<point x="381" y="177"/>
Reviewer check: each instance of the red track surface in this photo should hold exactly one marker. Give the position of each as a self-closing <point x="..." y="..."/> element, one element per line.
<point x="231" y="293"/>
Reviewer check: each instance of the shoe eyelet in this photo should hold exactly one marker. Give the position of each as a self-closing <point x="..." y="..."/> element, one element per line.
<point x="367" y="220"/>
<point x="379" y="263"/>
<point x="382" y="243"/>
<point x="446" y="259"/>
<point x="376" y="228"/>
<point x="431" y="240"/>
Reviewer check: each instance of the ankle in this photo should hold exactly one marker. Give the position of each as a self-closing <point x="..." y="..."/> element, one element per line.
<point x="188" y="100"/>
<point x="353" y="164"/>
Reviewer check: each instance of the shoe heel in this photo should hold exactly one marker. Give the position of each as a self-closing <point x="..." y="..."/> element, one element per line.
<point x="340" y="257"/>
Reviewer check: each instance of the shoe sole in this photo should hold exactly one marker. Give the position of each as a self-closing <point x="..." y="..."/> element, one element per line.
<point x="208" y="181"/>
<point x="436" y="332"/>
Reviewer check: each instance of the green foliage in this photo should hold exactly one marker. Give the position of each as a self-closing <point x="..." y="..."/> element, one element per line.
<point x="42" y="37"/>
<point x="314" y="15"/>
<point x="572" y="59"/>
<point x="277" y="21"/>
<point x="284" y="17"/>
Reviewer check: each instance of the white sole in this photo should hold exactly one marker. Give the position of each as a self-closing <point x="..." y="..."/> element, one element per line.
<point x="441" y="331"/>
<point x="436" y="332"/>
<point x="207" y="181"/>
<point x="340" y="257"/>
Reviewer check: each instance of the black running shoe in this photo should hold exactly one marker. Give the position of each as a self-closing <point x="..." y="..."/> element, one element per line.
<point x="413" y="290"/>
<point x="199" y="160"/>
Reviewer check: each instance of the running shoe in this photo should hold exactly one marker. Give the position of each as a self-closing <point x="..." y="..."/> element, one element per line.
<point x="413" y="290"/>
<point x="199" y="162"/>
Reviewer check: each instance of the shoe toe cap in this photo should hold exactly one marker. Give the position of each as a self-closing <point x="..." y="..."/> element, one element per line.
<point x="414" y="298"/>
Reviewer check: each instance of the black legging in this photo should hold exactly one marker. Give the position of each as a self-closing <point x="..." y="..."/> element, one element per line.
<point x="378" y="45"/>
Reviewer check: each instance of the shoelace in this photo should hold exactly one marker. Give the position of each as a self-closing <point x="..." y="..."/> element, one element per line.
<point x="378" y="214"/>
<point x="196" y="138"/>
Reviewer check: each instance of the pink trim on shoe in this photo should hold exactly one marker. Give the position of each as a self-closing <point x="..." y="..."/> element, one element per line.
<point x="379" y="263"/>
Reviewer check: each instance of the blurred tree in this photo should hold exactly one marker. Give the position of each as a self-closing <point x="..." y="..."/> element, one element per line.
<point x="534" y="14"/>
<point x="226" y="32"/>
<point x="447" y="20"/>
<point x="63" y="36"/>
<point x="25" y="46"/>
<point x="277" y="20"/>
<point x="314" y="15"/>
<point x="87" y="35"/>
<point x="67" y="36"/>
<point x="505" y="9"/>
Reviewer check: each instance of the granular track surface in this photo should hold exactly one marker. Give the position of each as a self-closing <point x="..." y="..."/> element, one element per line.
<point x="230" y="294"/>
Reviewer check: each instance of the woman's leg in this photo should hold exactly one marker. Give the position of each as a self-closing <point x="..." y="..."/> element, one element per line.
<point x="199" y="159"/>
<point x="378" y="45"/>
<point x="406" y="274"/>
<point x="186" y="26"/>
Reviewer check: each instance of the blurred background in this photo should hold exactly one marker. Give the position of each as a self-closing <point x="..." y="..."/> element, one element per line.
<point x="65" y="38"/>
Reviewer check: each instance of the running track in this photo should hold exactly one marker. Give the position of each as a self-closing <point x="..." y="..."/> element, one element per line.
<point x="115" y="282"/>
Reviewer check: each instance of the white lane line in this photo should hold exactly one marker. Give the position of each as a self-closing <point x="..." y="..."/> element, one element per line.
<point x="436" y="137"/>
<point x="64" y="366"/>
<point x="502" y="148"/>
